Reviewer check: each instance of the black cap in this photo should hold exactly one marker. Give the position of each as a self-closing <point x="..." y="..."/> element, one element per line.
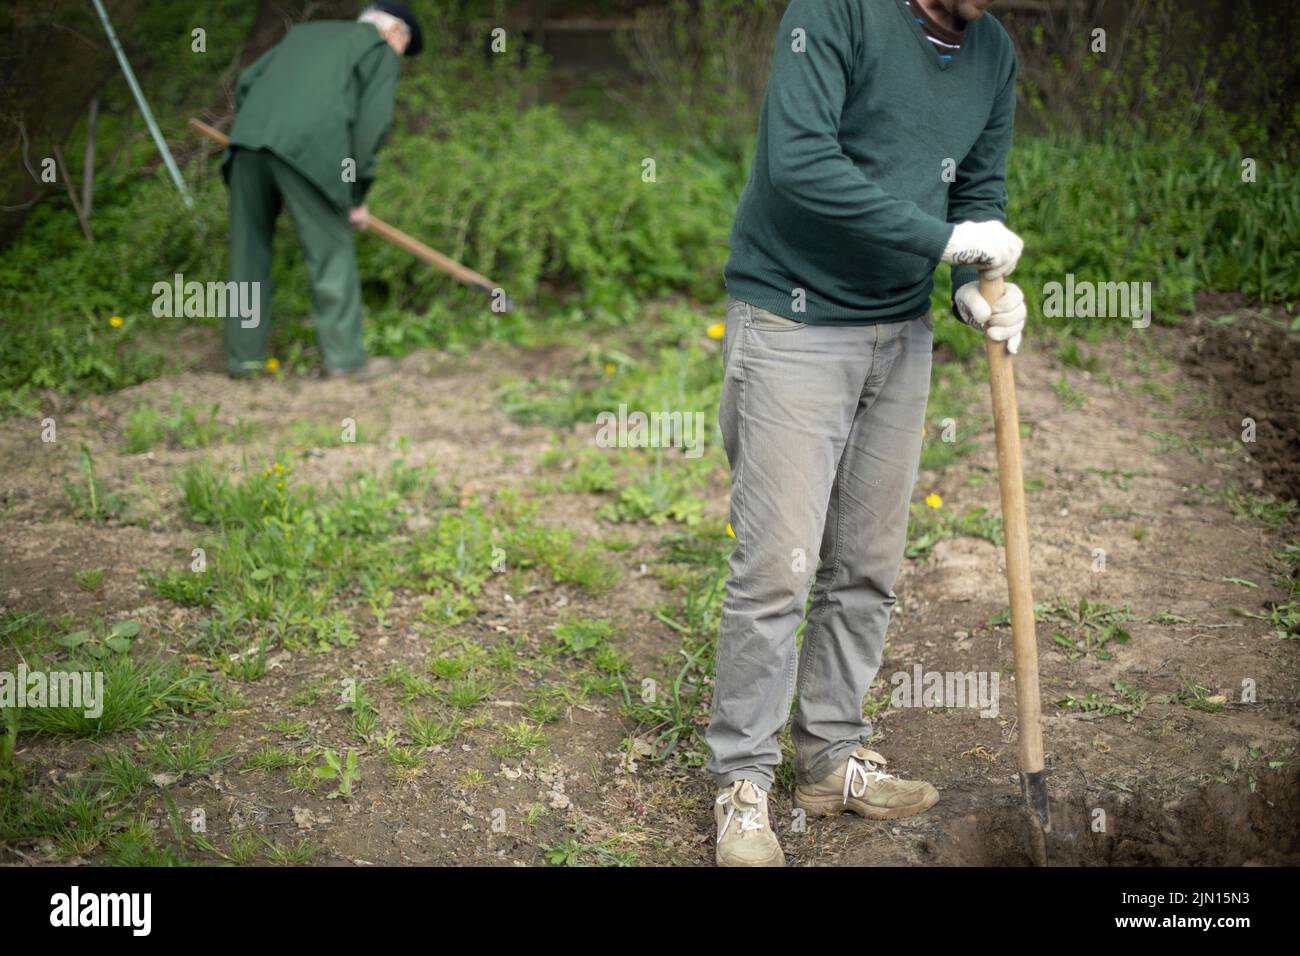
<point x="403" y="12"/>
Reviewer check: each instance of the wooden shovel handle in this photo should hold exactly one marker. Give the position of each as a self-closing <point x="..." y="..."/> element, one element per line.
<point x="1006" y="424"/>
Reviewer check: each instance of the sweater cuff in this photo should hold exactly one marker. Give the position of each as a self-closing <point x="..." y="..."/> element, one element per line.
<point x="934" y="235"/>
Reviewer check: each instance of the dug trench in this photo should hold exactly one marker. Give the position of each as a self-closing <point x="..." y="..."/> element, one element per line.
<point x="1219" y="824"/>
<point x="1251" y="356"/>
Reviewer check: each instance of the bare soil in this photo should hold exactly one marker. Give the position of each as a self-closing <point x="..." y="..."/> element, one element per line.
<point x="1119" y="463"/>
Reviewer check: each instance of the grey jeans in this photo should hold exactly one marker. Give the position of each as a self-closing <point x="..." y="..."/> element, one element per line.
<point x="822" y="428"/>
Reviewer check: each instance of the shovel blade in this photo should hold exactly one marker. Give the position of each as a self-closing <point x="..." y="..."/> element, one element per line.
<point x="1033" y="786"/>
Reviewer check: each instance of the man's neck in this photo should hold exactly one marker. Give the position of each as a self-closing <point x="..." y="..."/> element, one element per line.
<point x="940" y="14"/>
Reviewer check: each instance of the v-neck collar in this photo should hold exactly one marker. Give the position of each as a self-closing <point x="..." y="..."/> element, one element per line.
<point x="918" y="31"/>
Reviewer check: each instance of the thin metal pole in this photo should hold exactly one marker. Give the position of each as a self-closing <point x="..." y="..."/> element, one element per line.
<point x="144" y="105"/>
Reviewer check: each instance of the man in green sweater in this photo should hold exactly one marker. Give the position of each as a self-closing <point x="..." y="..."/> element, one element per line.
<point x="882" y="149"/>
<point x="312" y="113"/>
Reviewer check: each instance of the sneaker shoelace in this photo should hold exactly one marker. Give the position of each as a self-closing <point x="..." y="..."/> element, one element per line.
<point x="749" y="817"/>
<point x="859" y="773"/>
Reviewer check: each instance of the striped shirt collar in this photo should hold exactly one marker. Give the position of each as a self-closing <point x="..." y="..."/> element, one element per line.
<point x="946" y="41"/>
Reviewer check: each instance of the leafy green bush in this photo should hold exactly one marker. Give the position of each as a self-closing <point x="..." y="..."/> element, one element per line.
<point x="538" y="199"/>
<point x="565" y="216"/>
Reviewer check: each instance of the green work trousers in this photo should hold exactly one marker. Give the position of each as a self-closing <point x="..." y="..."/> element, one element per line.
<point x="260" y="183"/>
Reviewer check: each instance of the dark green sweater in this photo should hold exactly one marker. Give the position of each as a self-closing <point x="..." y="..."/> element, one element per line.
<point x="847" y="199"/>
<point x="320" y="96"/>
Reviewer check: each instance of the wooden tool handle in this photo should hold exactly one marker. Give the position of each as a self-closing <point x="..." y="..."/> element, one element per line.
<point x="211" y="132"/>
<point x="432" y="256"/>
<point x="394" y="235"/>
<point x="1006" y="424"/>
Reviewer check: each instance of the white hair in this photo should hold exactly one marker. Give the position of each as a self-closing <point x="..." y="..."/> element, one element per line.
<point x="381" y="20"/>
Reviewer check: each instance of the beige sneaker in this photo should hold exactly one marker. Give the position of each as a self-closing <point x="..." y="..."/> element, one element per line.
<point x="745" y="836"/>
<point x="860" y="786"/>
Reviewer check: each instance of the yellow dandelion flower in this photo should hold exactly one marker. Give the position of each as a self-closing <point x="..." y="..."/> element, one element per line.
<point x="117" y="321"/>
<point x="933" y="500"/>
<point x="717" y="330"/>
<point x="729" y="531"/>
<point x="272" y="365"/>
<point x="609" y="368"/>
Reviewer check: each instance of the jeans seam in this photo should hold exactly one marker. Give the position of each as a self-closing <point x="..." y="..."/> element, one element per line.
<point x="741" y="444"/>
<point x="738" y="498"/>
<point x="814" y="623"/>
<point x="875" y="357"/>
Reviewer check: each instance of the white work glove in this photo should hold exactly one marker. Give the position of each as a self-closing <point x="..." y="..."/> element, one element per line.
<point x="1004" y="321"/>
<point x="988" y="246"/>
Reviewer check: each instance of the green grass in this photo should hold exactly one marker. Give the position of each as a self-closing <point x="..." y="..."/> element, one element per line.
<point x="1263" y="511"/>
<point x="184" y="755"/>
<point x="269" y="759"/>
<point x="1282" y="614"/>
<point x="1071" y="397"/>
<point x="295" y="564"/>
<point x="430" y="730"/>
<point x="122" y="772"/>
<point x="1090" y="627"/>
<point x="671" y="709"/>
<point x="660" y="494"/>
<point x="578" y="635"/>
<point x="92" y="579"/>
<point x="519" y="739"/>
<point x="554" y="551"/>
<point x="135" y="695"/>
<point x="88" y="497"/>
<point x="928" y="526"/>
<point x="950" y="428"/>
<point x="1128" y="703"/>
<point x="1196" y="696"/>
<point x="185" y="427"/>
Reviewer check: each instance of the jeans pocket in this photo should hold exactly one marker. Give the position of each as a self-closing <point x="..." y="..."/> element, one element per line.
<point x="761" y="320"/>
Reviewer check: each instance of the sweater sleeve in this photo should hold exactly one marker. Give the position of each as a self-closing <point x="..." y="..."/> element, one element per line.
<point x="377" y="75"/>
<point x="980" y="190"/>
<point x="806" y="162"/>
